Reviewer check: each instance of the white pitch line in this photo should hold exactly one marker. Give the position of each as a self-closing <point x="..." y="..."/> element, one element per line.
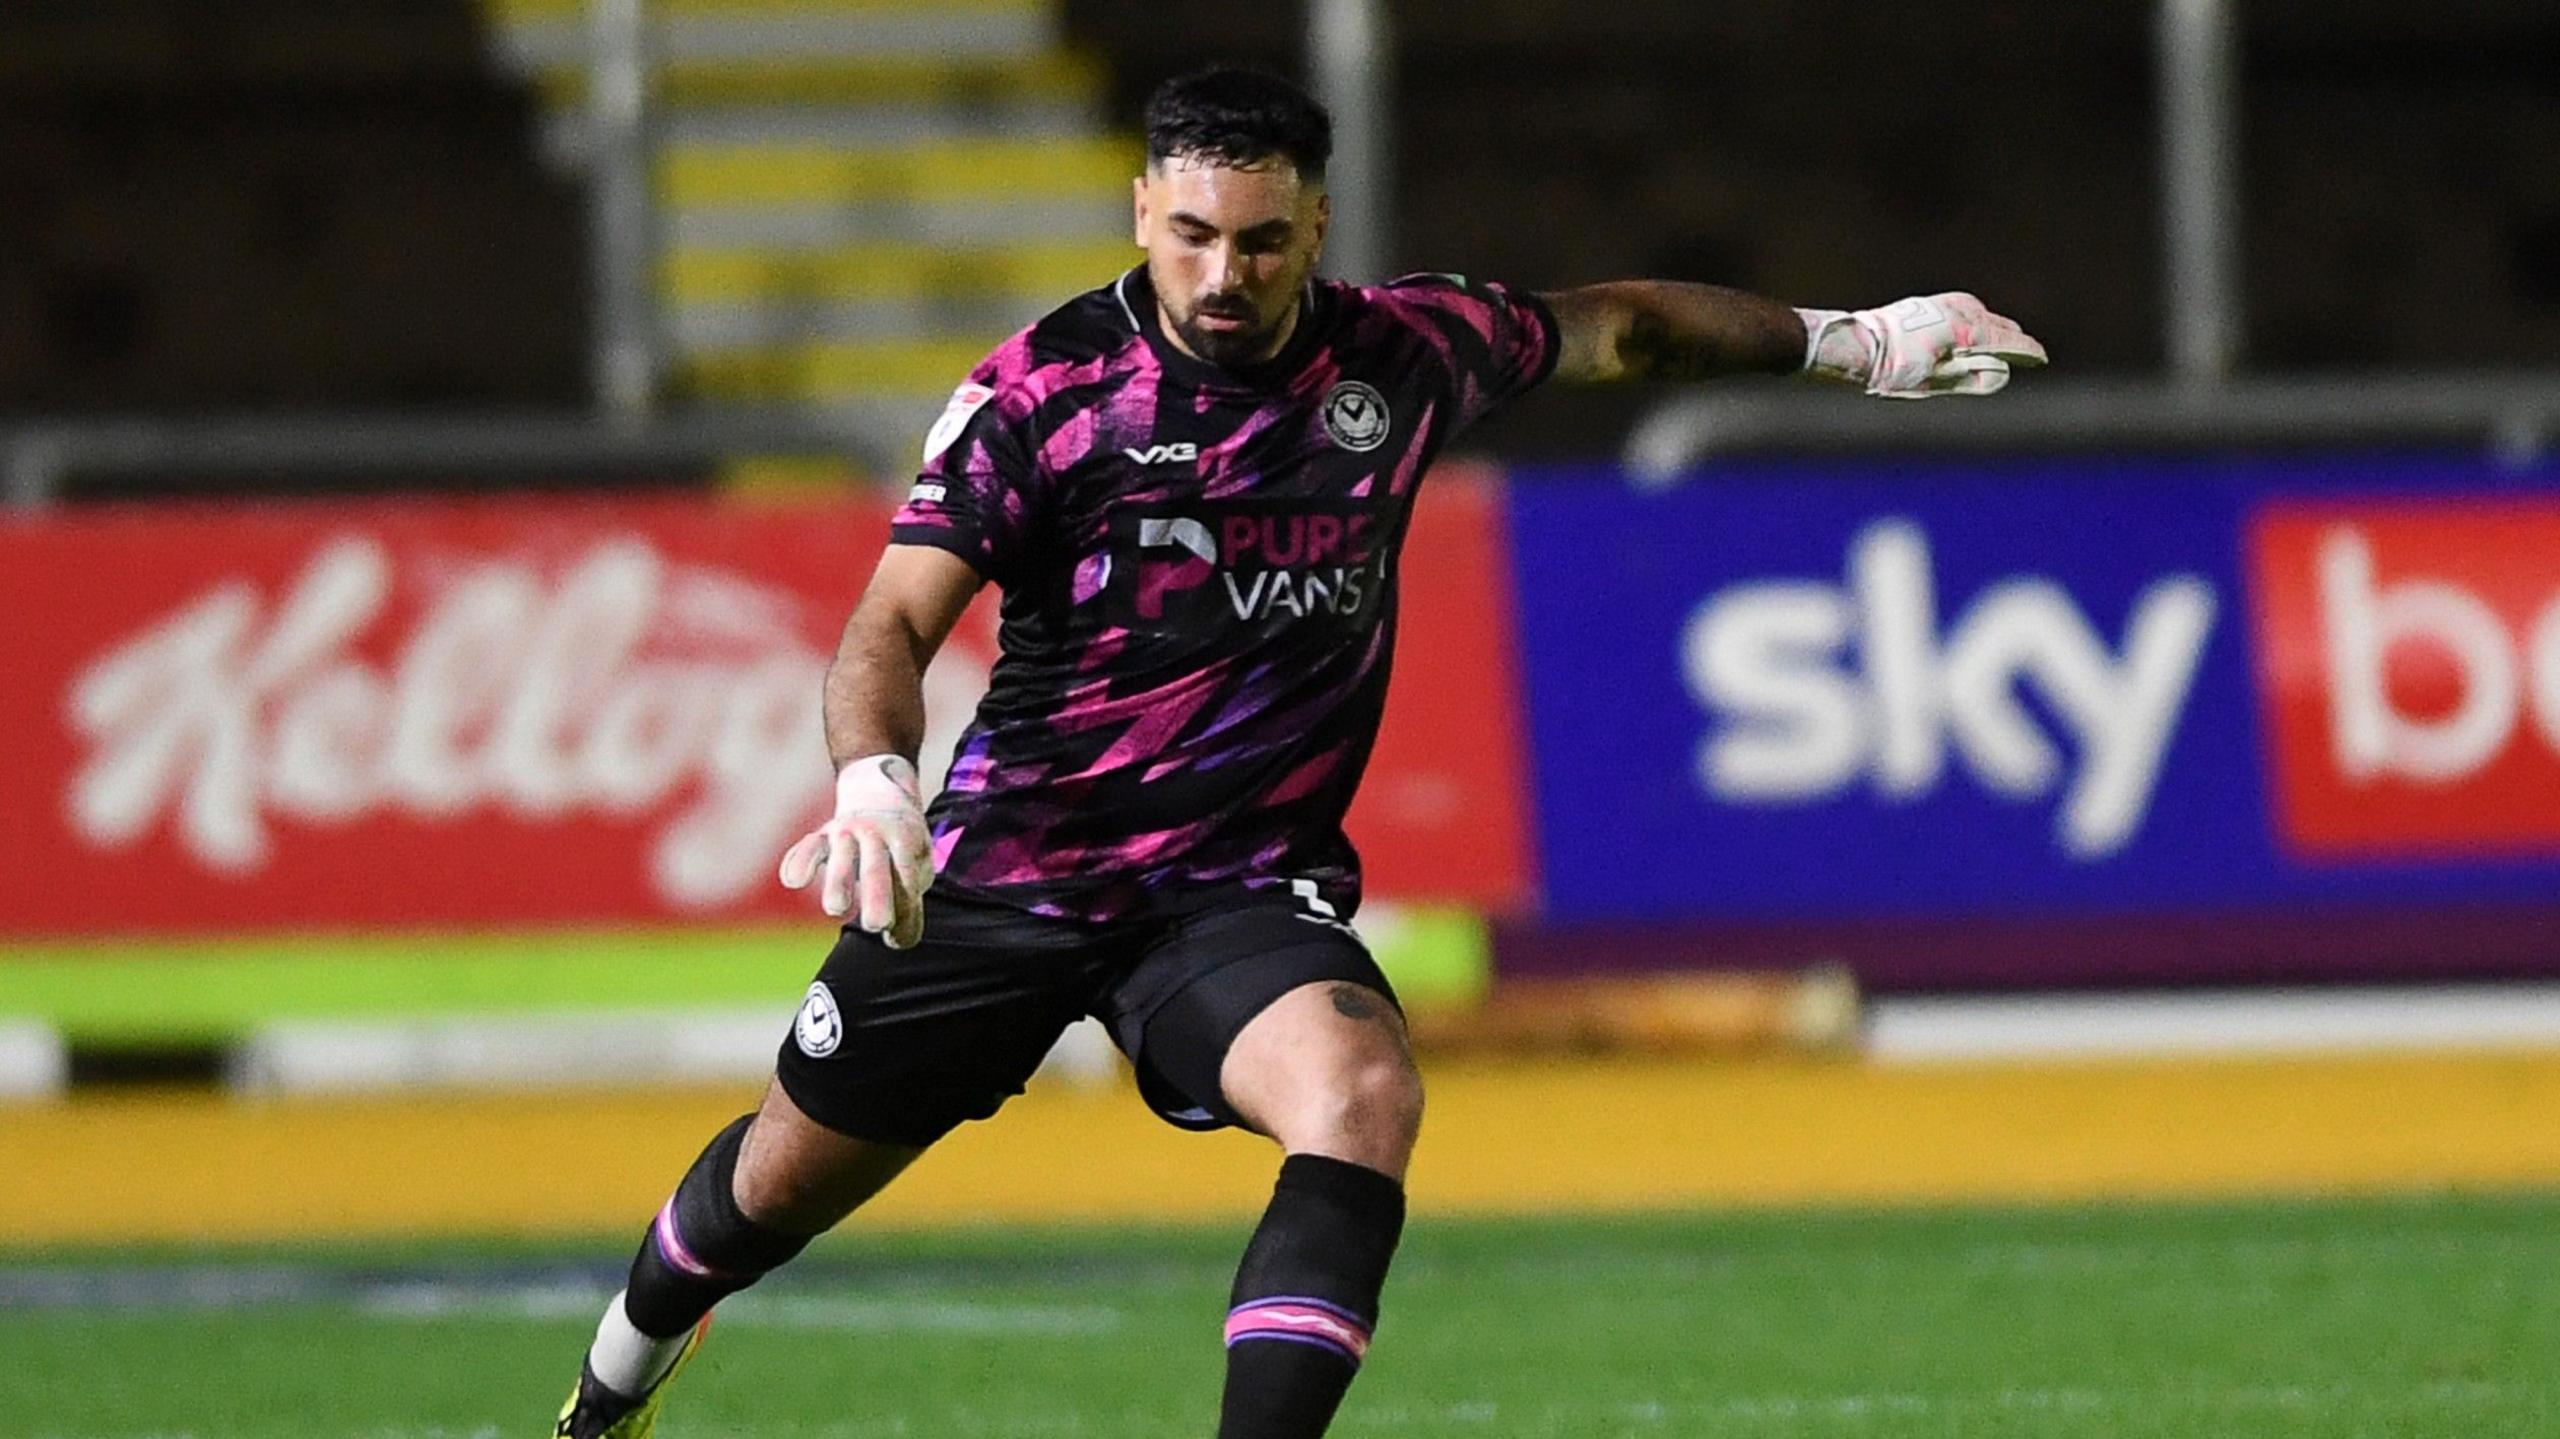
<point x="756" y="1311"/>
<point x="1865" y="1407"/>
<point x="962" y="1422"/>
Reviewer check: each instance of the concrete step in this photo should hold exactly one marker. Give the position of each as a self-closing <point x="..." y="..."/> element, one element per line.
<point x="903" y="175"/>
<point x="565" y="131"/>
<point x="909" y="378"/>
<point x="966" y="221"/>
<point x="720" y="328"/>
<point x="729" y="300"/>
<point x="868" y="272"/>
<point x="967" y="84"/>
<point x="706" y="32"/>
<point x="523" y="12"/>
<point x="863" y="126"/>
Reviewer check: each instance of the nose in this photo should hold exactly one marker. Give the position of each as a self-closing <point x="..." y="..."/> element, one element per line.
<point x="1225" y="273"/>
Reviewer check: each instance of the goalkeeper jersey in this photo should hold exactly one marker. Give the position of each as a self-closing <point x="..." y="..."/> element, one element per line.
<point x="1198" y="576"/>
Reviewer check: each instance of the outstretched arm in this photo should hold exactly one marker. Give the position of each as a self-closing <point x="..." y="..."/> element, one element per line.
<point x="1668" y="330"/>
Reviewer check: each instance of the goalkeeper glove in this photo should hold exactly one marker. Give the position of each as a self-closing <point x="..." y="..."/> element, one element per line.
<point x="875" y="849"/>
<point x="1918" y="348"/>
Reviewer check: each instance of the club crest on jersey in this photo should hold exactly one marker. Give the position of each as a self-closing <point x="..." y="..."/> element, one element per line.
<point x="820" y="1026"/>
<point x="1356" y="416"/>
<point x="1252" y="562"/>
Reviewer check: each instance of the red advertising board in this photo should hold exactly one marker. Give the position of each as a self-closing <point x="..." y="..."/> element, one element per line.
<point x="2409" y="656"/>
<point x="471" y="713"/>
<point x="1443" y="812"/>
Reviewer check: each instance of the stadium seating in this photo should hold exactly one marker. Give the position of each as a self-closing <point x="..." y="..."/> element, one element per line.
<point x="860" y="197"/>
<point x="275" y="202"/>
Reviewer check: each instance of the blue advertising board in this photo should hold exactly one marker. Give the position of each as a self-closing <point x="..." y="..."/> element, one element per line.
<point x="2012" y="690"/>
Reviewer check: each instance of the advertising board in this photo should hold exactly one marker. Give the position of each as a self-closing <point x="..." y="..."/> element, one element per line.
<point x="2035" y="698"/>
<point x="472" y="714"/>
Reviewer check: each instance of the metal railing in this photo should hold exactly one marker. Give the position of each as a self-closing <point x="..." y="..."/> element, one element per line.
<point x="622" y="211"/>
<point x="2199" y="189"/>
<point x="1351" y="60"/>
<point x="2513" y="415"/>
<point x="39" y="462"/>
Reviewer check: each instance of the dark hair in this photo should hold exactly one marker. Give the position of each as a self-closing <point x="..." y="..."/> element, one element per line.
<point x="1238" y="117"/>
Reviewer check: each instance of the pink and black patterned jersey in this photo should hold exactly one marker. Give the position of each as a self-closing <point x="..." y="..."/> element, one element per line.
<point x="1198" y="567"/>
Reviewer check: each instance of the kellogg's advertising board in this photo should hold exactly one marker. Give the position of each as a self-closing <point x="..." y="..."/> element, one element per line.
<point x="464" y="714"/>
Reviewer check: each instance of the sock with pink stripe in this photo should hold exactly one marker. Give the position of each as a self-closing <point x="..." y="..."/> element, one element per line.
<point x="1306" y="1297"/>
<point x="702" y="1248"/>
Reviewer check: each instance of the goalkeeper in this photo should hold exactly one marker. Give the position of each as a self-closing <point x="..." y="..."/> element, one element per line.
<point x="1190" y="486"/>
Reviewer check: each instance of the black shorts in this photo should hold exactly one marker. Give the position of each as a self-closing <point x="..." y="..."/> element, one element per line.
<point x="901" y="1046"/>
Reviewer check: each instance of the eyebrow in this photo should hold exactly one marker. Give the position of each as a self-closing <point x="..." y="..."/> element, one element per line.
<point x="1267" y="230"/>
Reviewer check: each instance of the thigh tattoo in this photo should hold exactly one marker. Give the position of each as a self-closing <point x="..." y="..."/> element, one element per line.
<point x="1353" y="1002"/>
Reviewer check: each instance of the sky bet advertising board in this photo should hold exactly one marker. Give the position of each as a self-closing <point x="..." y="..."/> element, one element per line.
<point x="2028" y="691"/>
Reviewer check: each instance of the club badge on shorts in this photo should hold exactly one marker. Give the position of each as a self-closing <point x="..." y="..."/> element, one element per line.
<point x="820" y="1027"/>
<point x="1355" y="415"/>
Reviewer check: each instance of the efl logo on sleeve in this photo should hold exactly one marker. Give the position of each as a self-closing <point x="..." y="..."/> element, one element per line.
<point x="2409" y="653"/>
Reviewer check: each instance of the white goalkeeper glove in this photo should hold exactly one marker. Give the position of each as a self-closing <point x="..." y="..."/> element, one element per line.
<point x="1919" y="348"/>
<point x="875" y="849"/>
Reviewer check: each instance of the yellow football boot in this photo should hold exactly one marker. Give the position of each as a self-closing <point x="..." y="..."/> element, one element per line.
<point x="595" y="1412"/>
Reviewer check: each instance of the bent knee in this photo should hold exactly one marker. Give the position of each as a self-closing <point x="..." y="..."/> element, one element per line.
<point x="1388" y="1092"/>
<point x="1370" y="1113"/>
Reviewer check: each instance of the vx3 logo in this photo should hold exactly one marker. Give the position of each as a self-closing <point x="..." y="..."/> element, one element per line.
<point x="1183" y="453"/>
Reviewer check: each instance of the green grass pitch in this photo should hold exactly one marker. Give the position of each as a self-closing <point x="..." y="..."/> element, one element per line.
<point x="2331" y="1319"/>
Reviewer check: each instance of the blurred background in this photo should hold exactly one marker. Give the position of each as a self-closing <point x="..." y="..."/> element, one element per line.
<point x="441" y="440"/>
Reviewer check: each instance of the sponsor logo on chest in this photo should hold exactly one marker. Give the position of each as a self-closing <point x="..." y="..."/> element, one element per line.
<point x="1247" y="562"/>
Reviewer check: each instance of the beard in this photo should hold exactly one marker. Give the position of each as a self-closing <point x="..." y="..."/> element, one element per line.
<point x="1244" y="345"/>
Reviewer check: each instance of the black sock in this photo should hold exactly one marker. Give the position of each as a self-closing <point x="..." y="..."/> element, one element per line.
<point x="1306" y="1297"/>
<point x="702" y="1248"/>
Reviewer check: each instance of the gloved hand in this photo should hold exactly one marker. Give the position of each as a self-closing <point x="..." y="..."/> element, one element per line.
<point x="876" y="847"/>
<point x="1918" y="348"/>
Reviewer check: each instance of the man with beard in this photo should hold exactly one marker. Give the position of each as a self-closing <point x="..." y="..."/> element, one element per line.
<point x="1190" y="486"/>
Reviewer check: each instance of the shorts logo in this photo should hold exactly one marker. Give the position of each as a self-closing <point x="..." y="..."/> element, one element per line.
<point x="1356" y="416"/>
<point x="820" y="1027"/>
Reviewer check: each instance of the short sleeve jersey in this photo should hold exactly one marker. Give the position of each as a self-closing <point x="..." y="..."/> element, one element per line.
<point x="1198" y="569"/>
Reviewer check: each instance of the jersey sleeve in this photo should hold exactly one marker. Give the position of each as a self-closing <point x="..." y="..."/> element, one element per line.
<point x="1499" y="342"/>
<point x="974" y="494"/>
